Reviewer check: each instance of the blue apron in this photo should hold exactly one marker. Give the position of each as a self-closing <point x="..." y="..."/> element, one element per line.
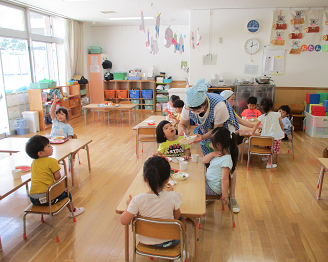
<point x="203" y="128"/>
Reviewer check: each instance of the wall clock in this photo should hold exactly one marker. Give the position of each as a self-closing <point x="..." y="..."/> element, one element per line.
<point x="253" y="26"/>
<point x="252" y="46"/>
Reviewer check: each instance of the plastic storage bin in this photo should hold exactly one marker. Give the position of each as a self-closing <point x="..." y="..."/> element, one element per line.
<point x="83" y="92"/>
<point x="21" y="126"/>
<point x="33" y="120"/>
<point x="110" y="93"/>
<point x="39" y="85"/>
<point x="167" y="81"/>
<point x="134" y="77"/>
<point x="122" y="93"/>
<point x="148" y="107"/>
<point x="134" y="93"/>
<point x="119" y="75"/>
<point x="147" y="93"/>
<point x="148" y="101"/>
<point x="316" y="126"/>
<point x="162" y="99"/>
<point x="135" y="101"/>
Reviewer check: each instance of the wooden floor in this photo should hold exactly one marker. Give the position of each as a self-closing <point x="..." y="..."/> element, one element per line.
<point x="280" y="218"/>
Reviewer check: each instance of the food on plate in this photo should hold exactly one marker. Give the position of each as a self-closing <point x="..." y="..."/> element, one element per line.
<point x="188" y="140"/>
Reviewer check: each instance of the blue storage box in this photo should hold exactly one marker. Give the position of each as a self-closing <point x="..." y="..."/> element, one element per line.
<point x="307" y="108"/>
<point x="147" y="93"/>
<point x="134" y="93"/>
<point x="314" y="99"/>
<point x="167" y="80"/>
<point x="325" y="104"/>
<point x="134" y="77"/>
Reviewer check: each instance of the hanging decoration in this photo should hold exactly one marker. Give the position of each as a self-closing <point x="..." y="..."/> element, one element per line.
<point x="181" y="45"/>
<point x="142" y="26"/>
<point x="158" y="22"/>
<point x="192" y="40"/>
<point x="154" y="45"/>
<point x="175" y="42"/>
<point x="199" y="37"/>
<point x="296" y="50"/>
<point x="325" y="33"/>
<point x="148" y="42"/>
<point x="168" y="37"/>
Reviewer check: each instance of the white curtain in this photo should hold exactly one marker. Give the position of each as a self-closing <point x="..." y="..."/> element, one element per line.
<point x="74" y="48"/>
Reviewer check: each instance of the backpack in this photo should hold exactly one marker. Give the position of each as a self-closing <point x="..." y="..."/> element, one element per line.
<point x="83" y="81"/>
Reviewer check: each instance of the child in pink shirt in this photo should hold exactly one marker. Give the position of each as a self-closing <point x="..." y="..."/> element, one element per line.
<point x="251" y="112"/>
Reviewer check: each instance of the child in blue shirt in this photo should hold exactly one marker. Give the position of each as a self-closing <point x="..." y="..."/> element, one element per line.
<point x="284" y="111"/>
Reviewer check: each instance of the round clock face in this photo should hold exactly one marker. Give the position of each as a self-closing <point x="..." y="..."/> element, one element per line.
<point x="253" y="26"/>
<point x="252" y="46"/>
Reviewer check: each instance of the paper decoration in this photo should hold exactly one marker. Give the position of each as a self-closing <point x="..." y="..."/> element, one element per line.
<point x="298" y="17"/>
<point x="181" y="45"/>
<point x="279" y="26"/>
<point x="199" y="37"/>
<point x="158" y="22"/>
<point x="168" y="37"/>
<point x="154" y="46"/>
<point x="192" y="40"/>
<point x="142" y="26"/>
<point x="273" y="61"/>
<point x="296" y="50"/>
<point x="280" y="18"/>
<point x="250" y="69"/>
<point x="148" y="42"/>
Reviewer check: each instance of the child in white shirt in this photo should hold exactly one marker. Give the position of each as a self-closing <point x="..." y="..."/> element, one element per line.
<point x="159" y="202"/>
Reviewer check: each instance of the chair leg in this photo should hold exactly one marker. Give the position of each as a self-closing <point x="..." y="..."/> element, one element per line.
<point x="54" y="228"/>
<point x="24" y="224"/>
<point x="248" y="160"/>
<point x="271" y="162"/>
<point x="141" y="147"/>
<point x="287" y="147"/>
<point x="137" y="149"/>
<point x="42" y="219"/>
<point x="293" y="149"/>
<point x="222" y="202"/>
<point x="78" y="156"/>
<point x="199" y="226"/>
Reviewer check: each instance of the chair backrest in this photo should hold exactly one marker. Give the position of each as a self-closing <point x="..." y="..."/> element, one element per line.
<point x="74" y="136"/>
<point x="146" y="130"/>
<point x="126" y="102"/>
<point x="261" y="141"/>
<point x="56" y="189"/>
<point x="158" y="228"/>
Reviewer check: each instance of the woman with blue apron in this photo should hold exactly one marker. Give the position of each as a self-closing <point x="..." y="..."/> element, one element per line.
<point x="208" y="111"/>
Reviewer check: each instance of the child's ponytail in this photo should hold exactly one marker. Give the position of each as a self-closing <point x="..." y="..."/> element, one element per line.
<point x="233" y="151"/>
<point x="156" y="171"/>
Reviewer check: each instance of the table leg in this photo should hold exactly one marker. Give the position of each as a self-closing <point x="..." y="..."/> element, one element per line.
<point x="196" y="238"/>
<point x="85" y="116"/>
<point x="135" y="112"/>
<point x="322" y="174"/>
<point x="27" y="190"/>
<point x="89" y="165"/>
<point x="129" y="117"/>
<point x="127" y="243"/>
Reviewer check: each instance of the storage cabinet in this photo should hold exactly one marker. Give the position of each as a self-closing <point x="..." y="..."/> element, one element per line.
<point x="131" y="90"/>
<point x="162" y="96"/>
<point x="72" y="104"/>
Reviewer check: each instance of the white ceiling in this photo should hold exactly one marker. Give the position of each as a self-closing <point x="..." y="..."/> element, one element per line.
<point x="173" y="12"/>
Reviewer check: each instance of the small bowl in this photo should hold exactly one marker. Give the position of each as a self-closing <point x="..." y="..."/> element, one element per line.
<point x="188" y="140"/>
<point x="177" y="159"/>
<point x="180" y="176"/>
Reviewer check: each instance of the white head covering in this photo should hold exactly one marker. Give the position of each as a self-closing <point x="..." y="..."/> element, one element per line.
<point x="226" y="94"/>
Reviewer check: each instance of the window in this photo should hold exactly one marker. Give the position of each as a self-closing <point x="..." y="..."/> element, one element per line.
<point x="15" y="63"/>
<point x="40" y="24"/>
<point x="12" y="18"/>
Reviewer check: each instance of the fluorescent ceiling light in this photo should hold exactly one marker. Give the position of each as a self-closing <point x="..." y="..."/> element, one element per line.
<point x="129" y="18"/>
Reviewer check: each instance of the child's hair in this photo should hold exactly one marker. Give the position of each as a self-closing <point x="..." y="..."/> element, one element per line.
<point x="227" y="140"/>
<point x="63" y="110"/>
<point x="285" y="108"/>
<point x="174" y="98"/>
<point x="178" y="103"/>
<point x="252" y="100"/>
<point x="156" y="171"/>
<point x="36" y="144"/>
<point x="160" y="137"/>
<point x="266" y="105"/>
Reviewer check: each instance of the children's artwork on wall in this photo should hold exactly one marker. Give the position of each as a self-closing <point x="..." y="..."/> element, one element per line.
<point x="298" y="17"/>
<point x="199" y="37"/>
<point x="192" y="38"/>
<point x="158" y="22"/>
<point x="175" y="43"/>
<point x="325" y="33"/>
<point x="279" y="20"/>
<point x="181" y="45"/>
<point x="279" y="26"/>
<point x="168" y="37"/>
<point x="296" y="50"/>
<point x="314" y="20"/>
<point x="296" y="32"/>
<point x="142" y="26"/>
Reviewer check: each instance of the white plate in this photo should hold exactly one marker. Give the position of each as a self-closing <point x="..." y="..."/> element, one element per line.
<point x="180" y="176"/>
<point x="57" y="138"/>
<point x="176" y="159"/>
<point x="188" y="140"/>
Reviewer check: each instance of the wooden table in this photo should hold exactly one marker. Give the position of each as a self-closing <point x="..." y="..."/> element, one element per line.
<point x="324" y="167"/>
<point x="156" y="118"/>
<point x="193" y="203"/>
<point x="93" y="107"/>
<point x="13" y="144"/>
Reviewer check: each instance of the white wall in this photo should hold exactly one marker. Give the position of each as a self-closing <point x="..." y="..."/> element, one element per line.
<point x="126" y="49"/>
<point x="307" y="69"/>
<point x="87" y="42"/>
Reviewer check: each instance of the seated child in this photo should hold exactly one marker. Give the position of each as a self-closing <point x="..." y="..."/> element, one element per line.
<point x="251" y="112"/>
<point x="178" y="106"/>
<point x="169" y="106"/>
<point x="168" y="138"/>
<point x="159" y="202"/>
<point x="284" y="111"/>
<point x="222" y="162"/>
<point x="44" y="172"/>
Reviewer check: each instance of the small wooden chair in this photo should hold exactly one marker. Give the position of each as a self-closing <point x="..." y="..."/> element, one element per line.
<point x="290" y="140"/>
<point x="53" y="191"/>
<point x="124" y="111"/>
<point x="258" y="145"/>
<point x="160" y="229"/>
<point x="144" y="135"/>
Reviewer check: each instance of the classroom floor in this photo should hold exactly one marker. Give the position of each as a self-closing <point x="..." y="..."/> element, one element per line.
<point x="280" y="218"/>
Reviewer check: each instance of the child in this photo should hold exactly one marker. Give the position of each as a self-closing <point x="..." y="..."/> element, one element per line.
<point x="178" y="106"/>
<point x="222" y="162"/>
<point x="45" y="170"/>
<point x="59" y="121"/>
<point x="169" y="106"/>
<point x="284" y="111"/>
<point x="168" y="138"/>
<point x="251" y="112"/>
<point x="159" y="202"/>
<point x="271" y="126"/>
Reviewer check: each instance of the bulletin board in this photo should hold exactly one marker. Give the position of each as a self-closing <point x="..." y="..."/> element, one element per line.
<point x="273" y="61"/>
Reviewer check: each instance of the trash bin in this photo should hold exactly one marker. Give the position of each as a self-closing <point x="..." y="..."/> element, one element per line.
<point x="181" y="92"/>
<point x="21" y="126"/>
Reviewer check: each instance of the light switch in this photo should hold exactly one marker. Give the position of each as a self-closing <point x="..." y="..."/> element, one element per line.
<point x="220" y="40"/>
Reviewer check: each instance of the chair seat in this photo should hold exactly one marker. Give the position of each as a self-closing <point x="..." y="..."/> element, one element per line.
<point x="147" y="139"/>
<point x="45" y="209"/>
<point x="159" y="251"/>
<point x="260" y="150"/>
<point x="213" y="197"/>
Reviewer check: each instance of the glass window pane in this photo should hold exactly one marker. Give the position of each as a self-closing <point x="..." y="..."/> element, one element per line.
<point x="58" y="29"/>
<point x="61" y="64"/>
<point x="12" y="18"/>
<point x="41" y="67"/>
<point x="15" y="64"/>
<point x="40" y="24"/>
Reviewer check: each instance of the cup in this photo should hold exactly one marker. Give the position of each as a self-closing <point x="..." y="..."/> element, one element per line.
<point x="17" y="173"/>
<point x="183" y="165"/>
<point x="168" y="118"/>
<point x="194" y="157"/>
